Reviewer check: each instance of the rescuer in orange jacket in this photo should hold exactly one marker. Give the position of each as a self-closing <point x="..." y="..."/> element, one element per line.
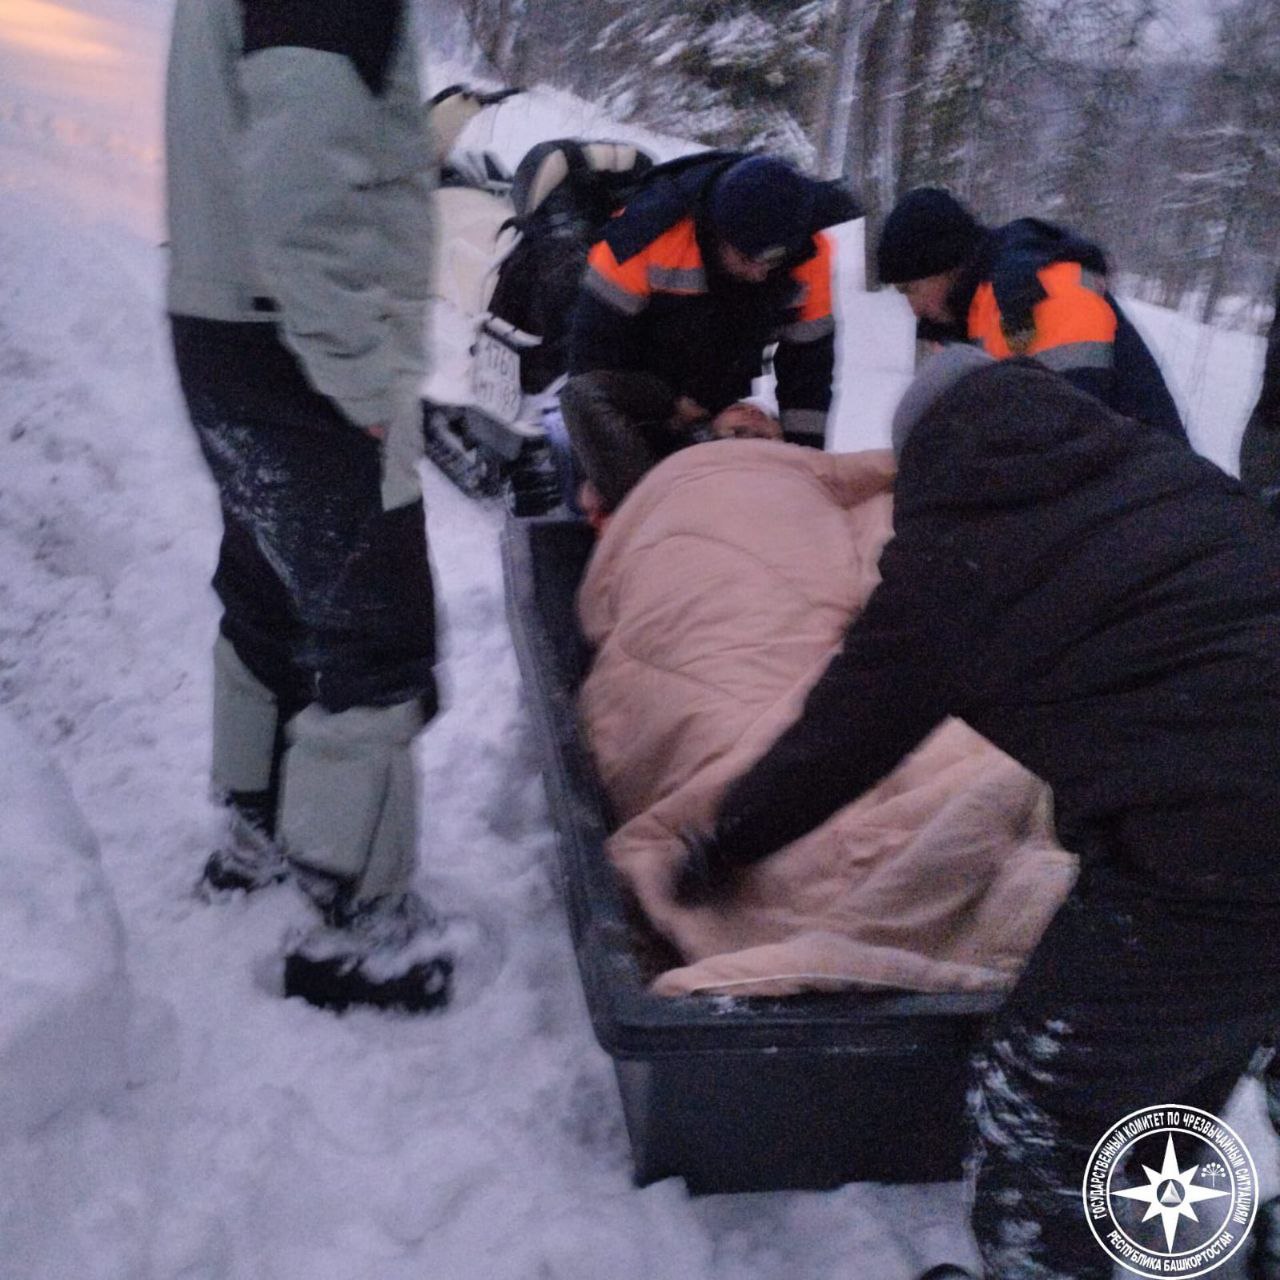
<point x="715" y="257"/>
<point x="1028" y="288"/>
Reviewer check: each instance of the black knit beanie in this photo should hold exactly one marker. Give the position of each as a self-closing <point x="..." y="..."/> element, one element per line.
<point x="927" y="232"/>
<point x="761" y="205"/>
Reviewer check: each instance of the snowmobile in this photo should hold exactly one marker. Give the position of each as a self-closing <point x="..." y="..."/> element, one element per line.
<point x="472" y="207"/>
<point x="510" y="251"/>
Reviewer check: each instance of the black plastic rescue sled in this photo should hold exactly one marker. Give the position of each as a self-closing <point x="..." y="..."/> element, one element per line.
<point x="731" y="1095"/>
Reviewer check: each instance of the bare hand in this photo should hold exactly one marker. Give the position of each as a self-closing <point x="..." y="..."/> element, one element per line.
<point x="378" y="432"/>
<point x="744" y="421"/>
<point x="687" y="411"/>
<point x="590" y="501"/>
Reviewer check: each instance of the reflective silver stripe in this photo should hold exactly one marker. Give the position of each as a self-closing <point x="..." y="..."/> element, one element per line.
<point x="678" y="279"/>
<point x="1093" y="280"/>
<point x="809" y="330"/>
<point x="805" y="422"/>
<point x="614" y="295"/>
<point x="1078" y="355"/>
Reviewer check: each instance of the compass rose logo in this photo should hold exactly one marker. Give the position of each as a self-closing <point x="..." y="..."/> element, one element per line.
<point x="1170" y="1191"/>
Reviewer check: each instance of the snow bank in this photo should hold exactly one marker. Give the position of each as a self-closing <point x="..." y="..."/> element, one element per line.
<point x="875" y="349"/>
<point x="64" y="994"/>
<point x="1214" y="375"/>
<point x="70" y="1178"/>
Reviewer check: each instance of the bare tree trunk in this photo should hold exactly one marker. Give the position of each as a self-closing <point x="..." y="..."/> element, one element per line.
<point x="497" y="28"/>
<point x="880" y="108"/>
<point x="840" y="88"/>
<point x="1224" y="259"/>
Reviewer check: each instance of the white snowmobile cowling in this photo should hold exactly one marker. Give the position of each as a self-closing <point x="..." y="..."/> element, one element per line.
<point x="505" y="269"/>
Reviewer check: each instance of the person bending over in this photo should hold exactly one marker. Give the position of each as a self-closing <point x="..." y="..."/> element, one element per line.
<point x="714" y="259"/>
<point x="1027" y="288"/>
<point x="1104" y="605"/>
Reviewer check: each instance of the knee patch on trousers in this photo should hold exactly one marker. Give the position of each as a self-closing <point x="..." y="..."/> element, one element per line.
<point x="245" y="716"/>
<point x="349" y="795"/>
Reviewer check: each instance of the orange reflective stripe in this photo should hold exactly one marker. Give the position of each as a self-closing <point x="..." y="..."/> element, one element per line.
<point x="1071" y="313"/>
<point x="629" y="277"/>
<point x="670" y="264"/>
<point x="814" y="278"/>
<point x="984" y="323"/>
<point x="676" y="249"/>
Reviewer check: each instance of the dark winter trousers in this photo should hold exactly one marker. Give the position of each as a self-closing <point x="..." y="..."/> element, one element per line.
<point x="1132" y="999"/>
<point x="327" y="597"/>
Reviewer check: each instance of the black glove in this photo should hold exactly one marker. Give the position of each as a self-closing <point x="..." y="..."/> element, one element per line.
<point x="704" y="875"/>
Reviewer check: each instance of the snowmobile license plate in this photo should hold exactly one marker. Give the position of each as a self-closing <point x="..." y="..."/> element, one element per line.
<point x="495" y="378"/>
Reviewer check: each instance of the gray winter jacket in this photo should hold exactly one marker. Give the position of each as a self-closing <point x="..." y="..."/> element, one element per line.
<point x="299" y="172"/>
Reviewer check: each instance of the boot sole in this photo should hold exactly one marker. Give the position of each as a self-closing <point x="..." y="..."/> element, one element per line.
<point x="222" y="884"/>
<point x="336" y="984"/>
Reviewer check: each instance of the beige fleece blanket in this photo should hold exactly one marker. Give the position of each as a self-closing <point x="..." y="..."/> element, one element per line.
<point x="714" y="599"/>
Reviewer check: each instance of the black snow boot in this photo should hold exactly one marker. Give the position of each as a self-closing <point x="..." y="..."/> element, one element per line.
<point x="384" y="953"/>
<point x="248" y="857"/>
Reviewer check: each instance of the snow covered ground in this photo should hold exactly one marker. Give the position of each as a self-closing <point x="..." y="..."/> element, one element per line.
<point x="166" y="1116"/>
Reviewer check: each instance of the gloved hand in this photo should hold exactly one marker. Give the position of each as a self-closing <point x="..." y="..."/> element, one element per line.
<point x="704" y="875"/>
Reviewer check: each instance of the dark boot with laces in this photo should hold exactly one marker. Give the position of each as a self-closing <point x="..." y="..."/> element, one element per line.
<point x="383" y="953"/>
<point x="248" y="857"/>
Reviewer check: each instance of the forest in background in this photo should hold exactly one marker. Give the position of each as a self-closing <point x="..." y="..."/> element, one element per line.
<point x="1052" y="108"/>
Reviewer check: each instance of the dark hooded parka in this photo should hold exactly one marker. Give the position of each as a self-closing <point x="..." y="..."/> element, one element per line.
<point x="1098" y="601"/>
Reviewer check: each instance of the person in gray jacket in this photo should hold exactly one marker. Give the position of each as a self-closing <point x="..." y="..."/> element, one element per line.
<point x="299" y="172"/>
